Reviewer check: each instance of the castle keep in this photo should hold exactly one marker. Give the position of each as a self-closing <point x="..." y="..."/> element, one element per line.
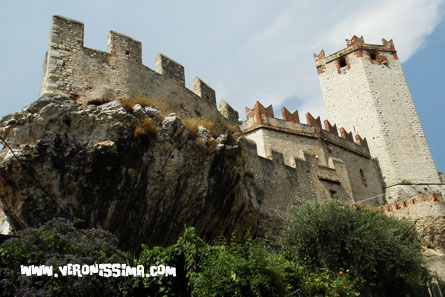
<point x="365" y="91"/>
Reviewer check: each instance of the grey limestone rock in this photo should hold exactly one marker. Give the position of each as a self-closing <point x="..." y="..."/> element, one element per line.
<point x="86" y="162"/>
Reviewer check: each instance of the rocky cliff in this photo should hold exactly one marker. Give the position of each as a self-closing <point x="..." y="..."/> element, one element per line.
<point x="137" y="172"/>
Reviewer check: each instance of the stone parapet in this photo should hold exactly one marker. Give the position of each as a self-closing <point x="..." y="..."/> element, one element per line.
<point x="262" y="117"/>
<point x="88" y="75"/>
<point x="355" y="44"/>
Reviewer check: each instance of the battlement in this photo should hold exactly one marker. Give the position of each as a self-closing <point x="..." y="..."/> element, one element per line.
<point x="306" y="177"/>
<point x="427" y="204"/>
<point x="326" y="173"/>
<point x="262" y="117"/>
<point x="87" y="75"/>
<point x="358" y="46"/>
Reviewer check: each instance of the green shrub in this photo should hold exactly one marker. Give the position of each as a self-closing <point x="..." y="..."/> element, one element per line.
<point x="186" y="255"/>
<point x="241" y="269"/>
<point x="384" y="253"/>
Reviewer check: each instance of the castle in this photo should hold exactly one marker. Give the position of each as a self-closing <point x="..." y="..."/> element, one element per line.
<point x="372" y="150"/>
<point x="379" y="154"/>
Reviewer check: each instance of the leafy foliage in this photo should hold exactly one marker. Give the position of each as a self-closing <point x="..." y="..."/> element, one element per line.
<point x="238" y="268"/>
<point x="57" y="243"/>
<point x="329" y="250"/>
<point x="383" y="252"/>
<point x="186" y="255"/>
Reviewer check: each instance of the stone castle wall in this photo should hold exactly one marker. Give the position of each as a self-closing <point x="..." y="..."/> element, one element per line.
<point x="283" y="186"/>
<point x="89" y="75"/>
<point x="422" y="205"/>
<point x="365" y="91"/>
<point x="341" y="166"/>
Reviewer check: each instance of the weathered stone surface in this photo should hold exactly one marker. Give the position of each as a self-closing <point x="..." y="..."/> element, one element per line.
<point x="432" y="230"/>
<point x="86" y="162"/>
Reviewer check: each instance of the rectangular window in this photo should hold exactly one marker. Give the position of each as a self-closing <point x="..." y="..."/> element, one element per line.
<point x="362" y="176"/>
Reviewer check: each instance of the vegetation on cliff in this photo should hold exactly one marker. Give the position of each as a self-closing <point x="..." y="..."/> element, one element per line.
<point x="331" y="249"/>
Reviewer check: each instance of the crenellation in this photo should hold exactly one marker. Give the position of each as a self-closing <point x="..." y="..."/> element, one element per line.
<point x="124" y="46"/>
<point x="259" y="116"/>
<point x="170" y="68"/>
<point x="258" y="112"/>
<point x="322" y="149"/>
<point x="88" y="75"/>
<point x="361" y="141"/>
<point x="346" y="135"/>
<point x="66" y="34"/>
<point x="228" y="112"/>
<point x="316" y="123"/>
<point x="291" y="117"/>
<point x="331" y="128"/>
<point x="277" y="157"/>
<point x="206" y="93"/>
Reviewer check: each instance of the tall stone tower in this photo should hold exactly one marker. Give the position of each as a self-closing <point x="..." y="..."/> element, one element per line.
<point x="365" y="91"/>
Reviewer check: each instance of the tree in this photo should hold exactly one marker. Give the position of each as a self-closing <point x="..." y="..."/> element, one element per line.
<point x="383" y="252"/>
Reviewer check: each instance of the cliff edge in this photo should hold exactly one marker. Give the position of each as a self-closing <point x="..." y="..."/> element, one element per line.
<point x="139" y="173"/>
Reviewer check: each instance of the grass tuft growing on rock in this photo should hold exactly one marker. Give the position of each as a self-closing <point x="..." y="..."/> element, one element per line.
<point x="147" y="127"/>
<point x="192" y="125"/>
<point x="128" y="104"/>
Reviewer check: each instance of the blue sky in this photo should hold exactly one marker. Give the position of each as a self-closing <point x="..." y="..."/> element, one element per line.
<point x="246" y="50"/>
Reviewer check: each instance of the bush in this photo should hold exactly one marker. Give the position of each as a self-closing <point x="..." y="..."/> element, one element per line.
<point x="240" y="269"/>
<point x="57" y="243"/>
<point x="247" y="268"/>
<point x="186" y="255"/>
<point x="383" y="252"/>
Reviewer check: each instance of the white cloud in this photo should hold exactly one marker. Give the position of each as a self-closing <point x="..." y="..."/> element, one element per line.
<point x="277" y="61"/>
<point x="407" y="22"/>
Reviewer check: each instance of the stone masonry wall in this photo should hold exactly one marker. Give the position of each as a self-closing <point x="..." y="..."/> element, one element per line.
<point x="284" y="186"/>
<point x="365" y="91"/>
<point x="89" y="75"/>
<point x="427" y="211"/>
<point x="338" y="159"/>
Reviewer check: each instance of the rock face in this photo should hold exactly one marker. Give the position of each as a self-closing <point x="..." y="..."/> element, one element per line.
<point x="140" y="174"/>
<point x="432" y="230"/>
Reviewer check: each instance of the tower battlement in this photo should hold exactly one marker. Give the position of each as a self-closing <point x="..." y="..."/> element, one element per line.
<point x="87" y="75"/>
<point x="365" y="91"/>
<point x="357" y="46"/>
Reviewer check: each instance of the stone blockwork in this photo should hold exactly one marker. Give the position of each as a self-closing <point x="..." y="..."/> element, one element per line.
<point x="340" y="166"/>
<point x="365" y="91"/>
<point x="427" y="211"/>
<point x="420" y="206"/>
<point x="228" y="112"/>
<point x="283" y="185"/>
<point x="89" y="75"/>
